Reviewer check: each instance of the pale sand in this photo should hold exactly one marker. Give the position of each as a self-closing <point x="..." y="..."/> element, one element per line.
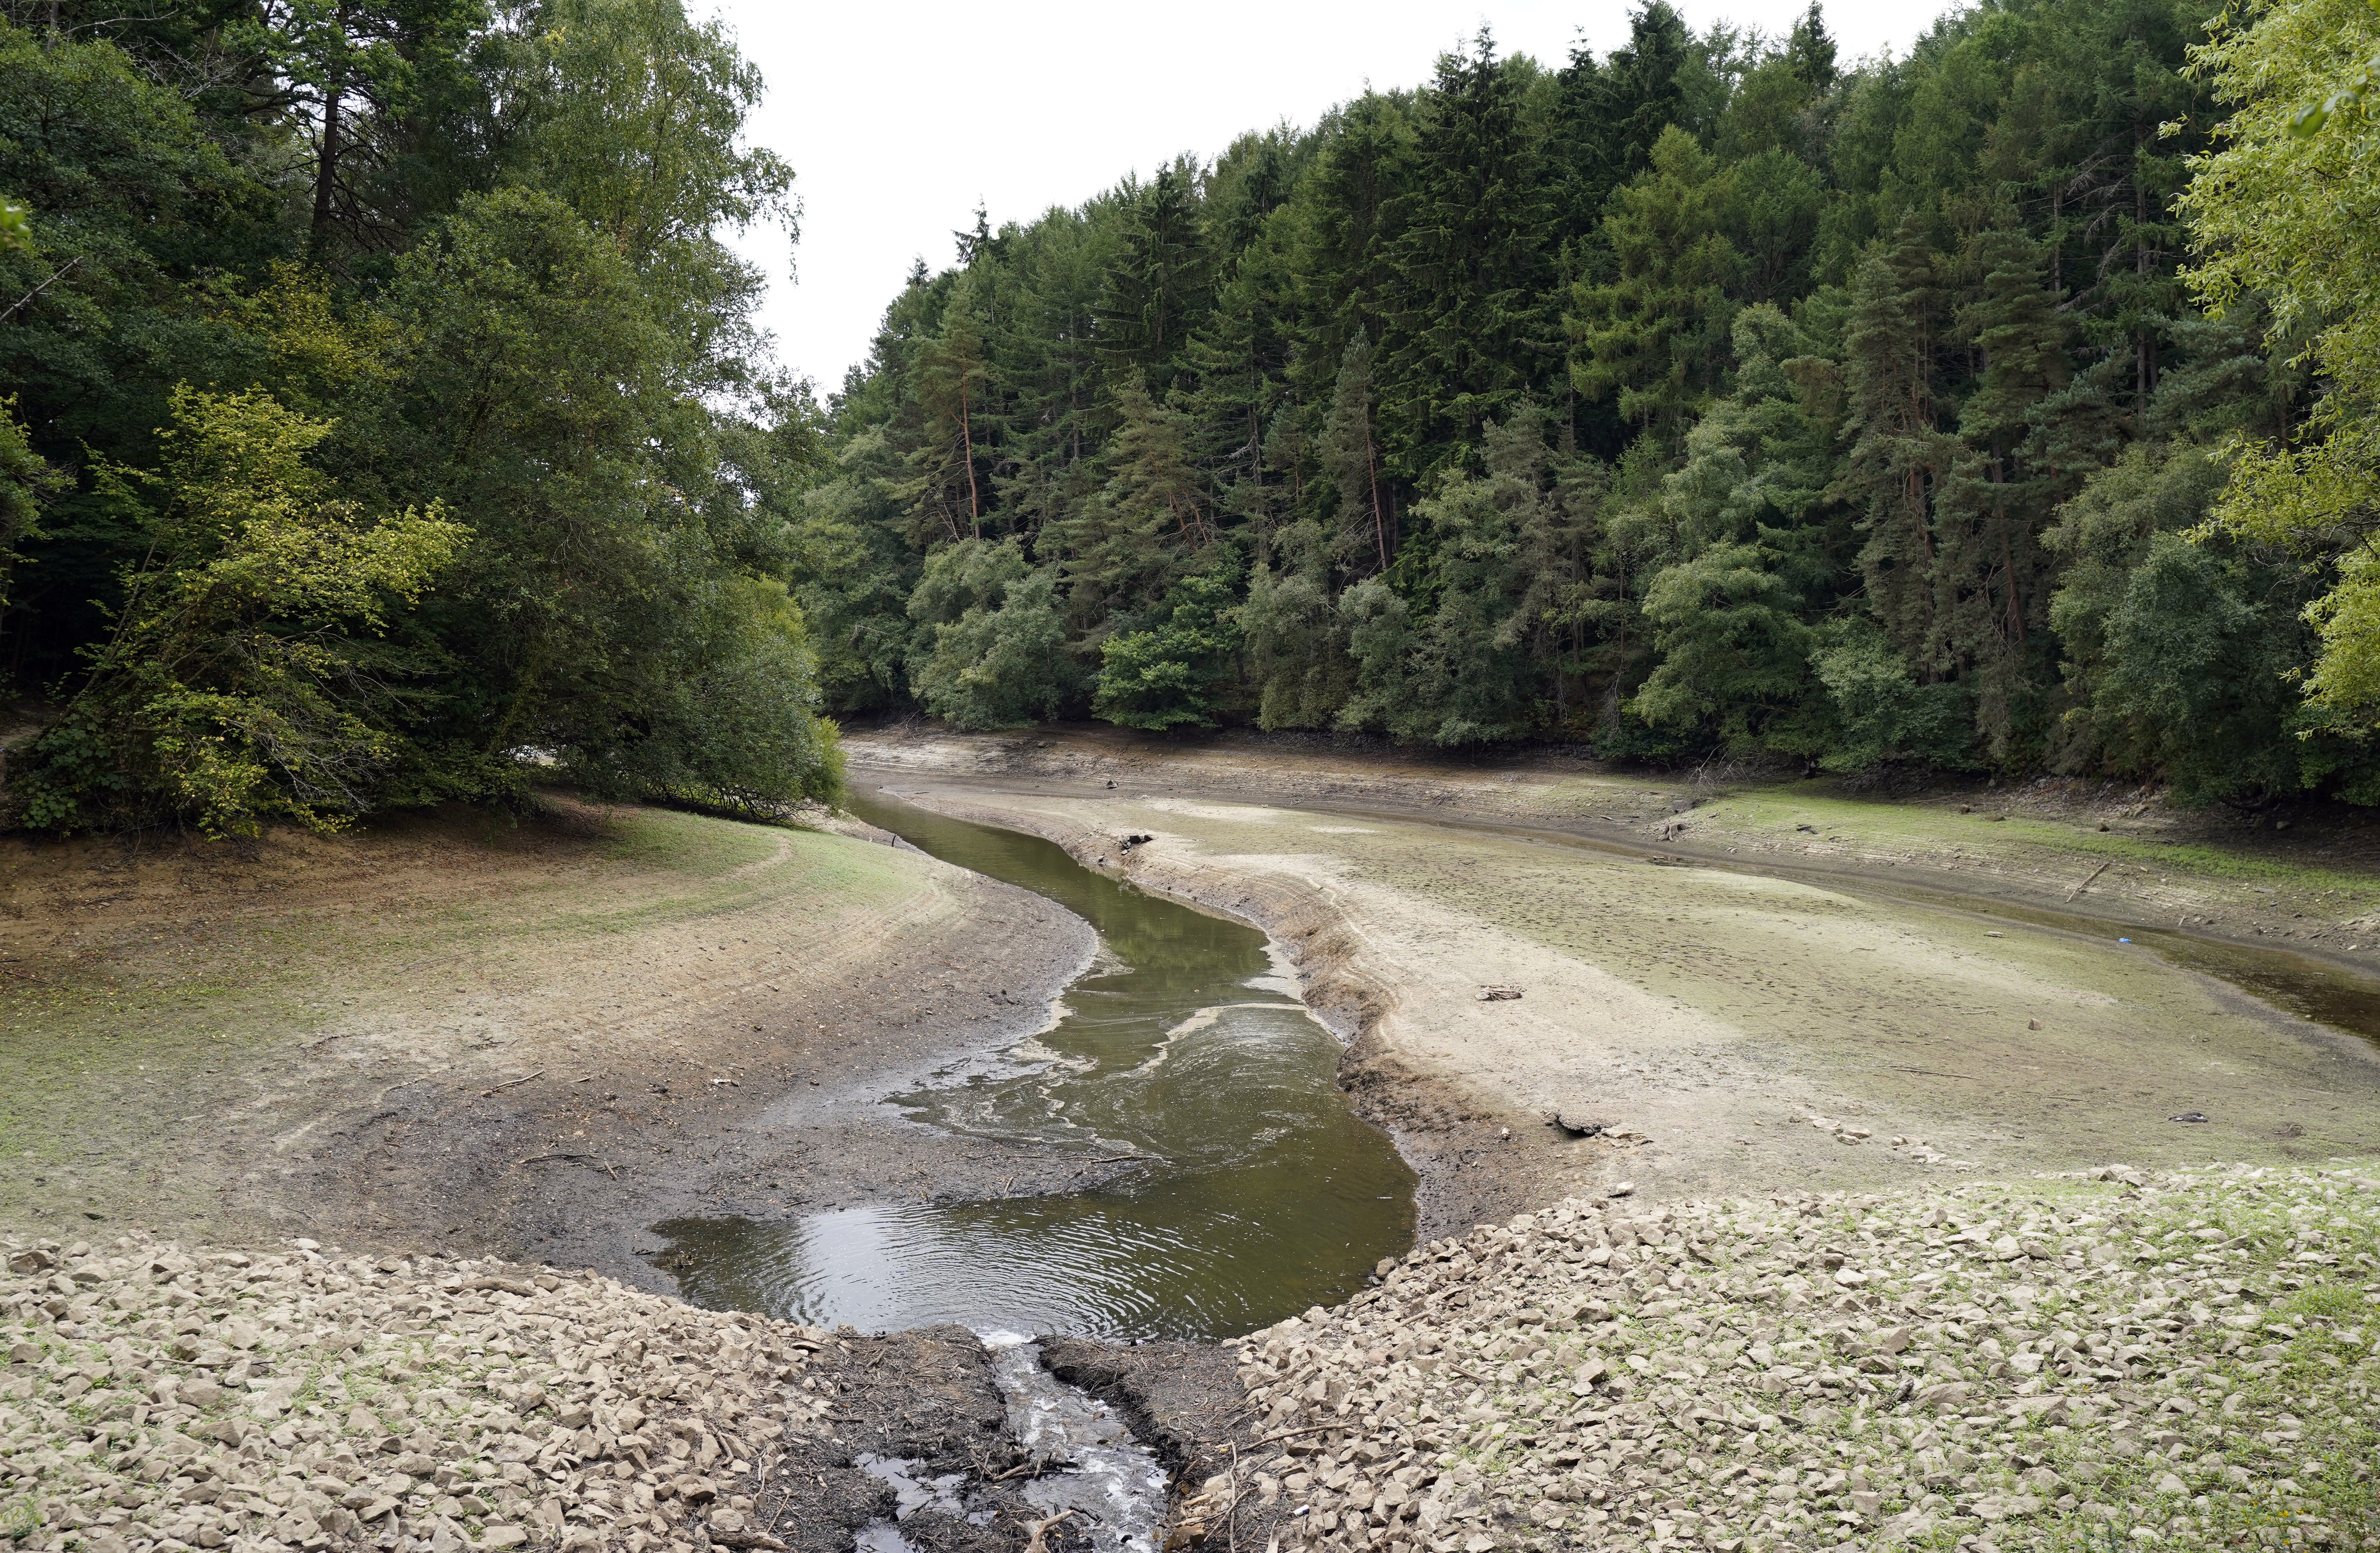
<point x="1712" y="1009"/>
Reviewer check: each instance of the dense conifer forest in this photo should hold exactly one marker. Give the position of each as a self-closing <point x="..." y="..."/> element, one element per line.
<point x="1718" y="395"/>
<point x="385" y="416"/>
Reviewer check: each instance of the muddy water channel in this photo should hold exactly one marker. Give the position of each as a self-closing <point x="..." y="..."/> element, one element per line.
<point x="1251" y="1191"/>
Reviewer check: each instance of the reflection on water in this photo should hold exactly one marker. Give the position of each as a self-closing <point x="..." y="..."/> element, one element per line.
<point x="1258" y="1193"/>
<point x="2296" y="984"/>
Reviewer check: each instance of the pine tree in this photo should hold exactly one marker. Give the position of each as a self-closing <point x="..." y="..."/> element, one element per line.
<point x="1652" y="338"/>
<point x="1471" y="329"/>
<point x="1160" y="281"/>
<point x="1140" y="531"/>
<point x="1365" y="539"/>
<point x="1344" y="226"/>
<point x="953" y="373"/>
<point x="1295" y="644"/>
<point x="1899" y="455"/>
<point x="1236" y="373"/>
<point x="1994" y="575"/>
<point x="1638" y="93"/>
<point x="1810" y="50"/>
<point x="1047" y="373"/>
<point x="1756" y="555"/>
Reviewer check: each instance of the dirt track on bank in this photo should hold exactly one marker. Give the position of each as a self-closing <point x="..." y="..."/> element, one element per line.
<point x="1785" y="1022"/>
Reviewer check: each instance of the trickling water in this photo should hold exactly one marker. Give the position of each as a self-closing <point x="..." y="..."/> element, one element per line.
<point x="1256" y="1192"/>
<point x="1090" y="1467"/>
<point x="911" y="1494"/>
<point x="1114" y="1484"/>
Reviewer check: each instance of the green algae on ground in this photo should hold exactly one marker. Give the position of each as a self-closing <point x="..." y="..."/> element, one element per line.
<point x="151" y="1008"/>
<point x="2009" y="837"/>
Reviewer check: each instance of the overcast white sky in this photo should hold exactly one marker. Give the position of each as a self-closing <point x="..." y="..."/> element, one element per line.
<point x="898" y="118"/>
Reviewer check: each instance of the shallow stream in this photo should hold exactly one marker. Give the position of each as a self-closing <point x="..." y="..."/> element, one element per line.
<point x="1248" y="1191"/>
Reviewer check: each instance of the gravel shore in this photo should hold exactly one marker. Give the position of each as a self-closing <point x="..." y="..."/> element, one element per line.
<point x="2185" y="1360"/>
<point x="155" y="1397"/>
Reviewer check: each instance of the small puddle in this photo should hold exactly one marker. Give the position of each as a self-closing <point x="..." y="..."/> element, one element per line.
<point x="911" y="1494"/>
<point x="1253" y="1191"/>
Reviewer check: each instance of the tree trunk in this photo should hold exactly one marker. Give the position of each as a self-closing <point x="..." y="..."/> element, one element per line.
<point x="326" y="166"/>
<point x="966" y="443"/>
<point x="1379" y="514"/>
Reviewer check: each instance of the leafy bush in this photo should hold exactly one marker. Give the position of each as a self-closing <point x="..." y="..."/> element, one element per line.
<point x="249" y="675"/>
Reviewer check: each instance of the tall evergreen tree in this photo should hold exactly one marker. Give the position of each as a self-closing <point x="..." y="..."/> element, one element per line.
<point x="1160" y="278"/>
<point x="1470" y="330"/>
<point x="1366" y="534"/>
<point x="1900" y="456"/>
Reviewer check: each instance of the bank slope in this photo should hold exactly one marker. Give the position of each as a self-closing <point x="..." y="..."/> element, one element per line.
<point x="2186" y="1359"/>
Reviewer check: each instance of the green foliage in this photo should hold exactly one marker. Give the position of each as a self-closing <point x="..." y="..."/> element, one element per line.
<point x="2181" y="657"/>
<point x="1165" y="674"/>
<point x="26" y="481"/>
<point x="991" y="649"/>
<point x="1883" y="711"/>
<point x="2276" y="213"/>
<point x="737" y="725"/>
<point x="245" y="678"/>
<point x="1467" y="329"/>
<point x="1297" y="655"/>
<point x="1711" y="395"/>
<point x="1490" y="592"/>
<point x="450" y="270"/>
<point x="1689" y="241"/>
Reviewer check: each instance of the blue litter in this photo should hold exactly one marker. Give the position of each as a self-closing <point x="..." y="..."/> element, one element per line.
<point x="2123" y="940"/>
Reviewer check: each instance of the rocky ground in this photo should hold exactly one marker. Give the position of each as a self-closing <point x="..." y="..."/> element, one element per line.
<point x="159" y="1398"/>
<point x="2185" y="1360"/>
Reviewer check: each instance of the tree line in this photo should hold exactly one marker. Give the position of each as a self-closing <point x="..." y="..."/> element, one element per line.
<point x="385" y="424"/>
<point x="2002" y="407"/>
<point x="386" y="420"/>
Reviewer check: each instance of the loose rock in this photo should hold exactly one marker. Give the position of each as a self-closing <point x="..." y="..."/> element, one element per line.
<point x="2183" y="1360"/>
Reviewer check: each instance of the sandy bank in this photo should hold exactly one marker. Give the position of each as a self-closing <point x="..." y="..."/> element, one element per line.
<point x="1729" y="1028"/>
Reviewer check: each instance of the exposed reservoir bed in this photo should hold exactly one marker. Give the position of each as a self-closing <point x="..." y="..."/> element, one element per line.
<point x="1253" y="1190"/>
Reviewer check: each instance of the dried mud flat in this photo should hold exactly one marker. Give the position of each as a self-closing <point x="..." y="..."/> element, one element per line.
<point x="462" y="1034"/>
<point x="1713" y="1027"/>
<point x="2312" y="882"/>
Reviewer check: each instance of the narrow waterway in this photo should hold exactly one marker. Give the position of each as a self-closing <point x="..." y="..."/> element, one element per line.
<point x="1251" y="1191"/>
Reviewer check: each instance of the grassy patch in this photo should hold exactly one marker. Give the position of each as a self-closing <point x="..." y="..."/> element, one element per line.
<point x="1878" y="822"/>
